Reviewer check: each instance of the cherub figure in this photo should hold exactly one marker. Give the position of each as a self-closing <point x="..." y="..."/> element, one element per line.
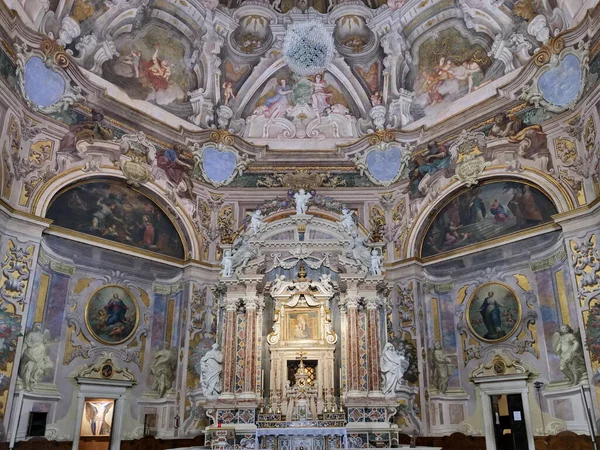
<point x="227" y="92"/>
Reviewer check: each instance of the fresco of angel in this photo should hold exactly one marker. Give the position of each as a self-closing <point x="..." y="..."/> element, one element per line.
<point x="276" y="99"/>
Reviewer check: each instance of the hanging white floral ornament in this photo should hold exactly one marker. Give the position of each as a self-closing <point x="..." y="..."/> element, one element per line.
<point x="308" y="48"/>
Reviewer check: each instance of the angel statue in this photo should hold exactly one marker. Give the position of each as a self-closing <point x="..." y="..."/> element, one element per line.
<point x="359" y="252"/>
<point x="256" y="221"/>
<point x="347" y="220"/>
<point x="302" y="197"/>
<point x="35" y="362"/>
<point x="376" y="262"/>
<point x="393" y="366"/>
<point x="567" y="345"/>
<point x="227" y="264"/>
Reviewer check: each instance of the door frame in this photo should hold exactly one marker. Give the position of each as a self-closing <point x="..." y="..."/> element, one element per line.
<point x="503" y="385"/>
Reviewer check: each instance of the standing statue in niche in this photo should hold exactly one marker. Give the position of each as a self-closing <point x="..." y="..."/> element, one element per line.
<point x="567" y="345"/>
<point x="211" y="369"/>
<point x="442" y="368"/>
<point x="302" y="197"/>
<point x="35" y="361"/>
<point x="393" y="365"/>
<point x="163" y="369"/>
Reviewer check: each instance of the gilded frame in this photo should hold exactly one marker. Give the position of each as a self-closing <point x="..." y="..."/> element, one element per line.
<point x="312" y="324"/>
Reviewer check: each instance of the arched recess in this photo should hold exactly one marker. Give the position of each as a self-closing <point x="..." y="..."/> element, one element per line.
<point x="174" y="213"/>
<point x="556" y="194"/>
<point x="280" y="64"/>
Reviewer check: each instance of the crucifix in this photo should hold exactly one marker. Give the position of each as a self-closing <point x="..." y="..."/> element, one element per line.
<point x="301" y="355"/>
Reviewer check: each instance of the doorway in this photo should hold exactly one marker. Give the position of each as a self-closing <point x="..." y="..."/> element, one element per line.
<point x="510" y="431"/>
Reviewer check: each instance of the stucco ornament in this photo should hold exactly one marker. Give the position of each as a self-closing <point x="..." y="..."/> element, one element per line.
<point x="35" y="361"/>
<point x="559" y="83"/>
<point x="567" y="345"/>
<point x="56" y="93"/>
<point x="393" y="366"/>
<point x="138" y="154"/>
<point x="218" y="164"/>
<point x="211" y="369"/>
<point x="163" y="369"/>
<point x="16" y="270"/>
<point x="308" y="48"/>
<point x="467" y="152"/>
<point x="384" y="163"/>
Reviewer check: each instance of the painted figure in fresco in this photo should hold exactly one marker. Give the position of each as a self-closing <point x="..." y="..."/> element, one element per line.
<point x="376" y="99"/>
<point x="227" y="92"/>
<point x="436" y="158"/>
<point x="163" y="369"/>
<point x="442" y="368"/>
<point x="96" y="128"/>
<point x="35" y="361"/>
<point x="506" y="125"/>
<point x="472" y="73"/>
<point x="96" y="415"/>
<point x="567" y="345"/>
<point x="210" y="372"/>
<point x="491" y="315"/>
<point x="320" y="98"/>
<point x="302" y="197"/>
<point x="500" y="212"/>
<point x="277" y="105"/>
<point x="177" y="164"/>
<point x="393" y="366"/>
<point x="116" y="311"/>
<point x="477" y="208"/>
<point x="301" y="329"/>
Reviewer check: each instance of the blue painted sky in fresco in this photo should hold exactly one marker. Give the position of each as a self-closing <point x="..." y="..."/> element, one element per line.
<point x="218" y="166"/>
<point x="384" y="165"/>
<point x="560" y="86"/>
<point x="42" y="85"/>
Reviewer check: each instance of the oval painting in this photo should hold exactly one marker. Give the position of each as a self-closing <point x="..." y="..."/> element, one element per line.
<point x="487" y="211"/>
<point x="493" y="312"/>
<point x="111" y="314"/>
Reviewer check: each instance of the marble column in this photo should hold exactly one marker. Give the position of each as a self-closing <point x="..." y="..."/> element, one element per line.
<point x="229" y="341"/>
<point x="374" y="345"/>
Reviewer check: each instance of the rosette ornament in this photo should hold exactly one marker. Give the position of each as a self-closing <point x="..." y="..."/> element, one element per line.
<point x="308" y="48"/>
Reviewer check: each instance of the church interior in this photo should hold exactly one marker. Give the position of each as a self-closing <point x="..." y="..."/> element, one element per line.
<point x="299" y="224"/>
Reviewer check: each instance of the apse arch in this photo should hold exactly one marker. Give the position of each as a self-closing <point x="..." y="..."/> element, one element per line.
<point x="173" y="224"/>
<point x="557" y="196"/>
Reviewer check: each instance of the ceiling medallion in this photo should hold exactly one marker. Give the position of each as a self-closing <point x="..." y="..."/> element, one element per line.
<point x="308" y="48"/>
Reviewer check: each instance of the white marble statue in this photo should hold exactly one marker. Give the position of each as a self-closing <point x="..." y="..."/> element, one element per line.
<point x="211" y="368"/>
<point x="359" y="252"/>
<point x="302" y="197"/>
<point x="567" y="345"/>
<point x="241" y="253"/>
<point x="227" y="264"/>
<point x="256" y="221"/>
<point x="376" y="260"/>
<point x="538" y="28"/>
<point x="163" y="370"/>
<point x="393" y="366"/>
<point x="348" y="220"/>
<point x="442" y="368"/>
<point x="35" y="361"/>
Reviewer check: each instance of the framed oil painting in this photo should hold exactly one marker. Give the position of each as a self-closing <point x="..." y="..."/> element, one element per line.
<point x="111" y="314"/>
<point x="493" y="312"/>
<point x="111" y="210"/>
<point x="303" y="325"/>
<point x="97" y="417"/>
<point x="487" y="211"/>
